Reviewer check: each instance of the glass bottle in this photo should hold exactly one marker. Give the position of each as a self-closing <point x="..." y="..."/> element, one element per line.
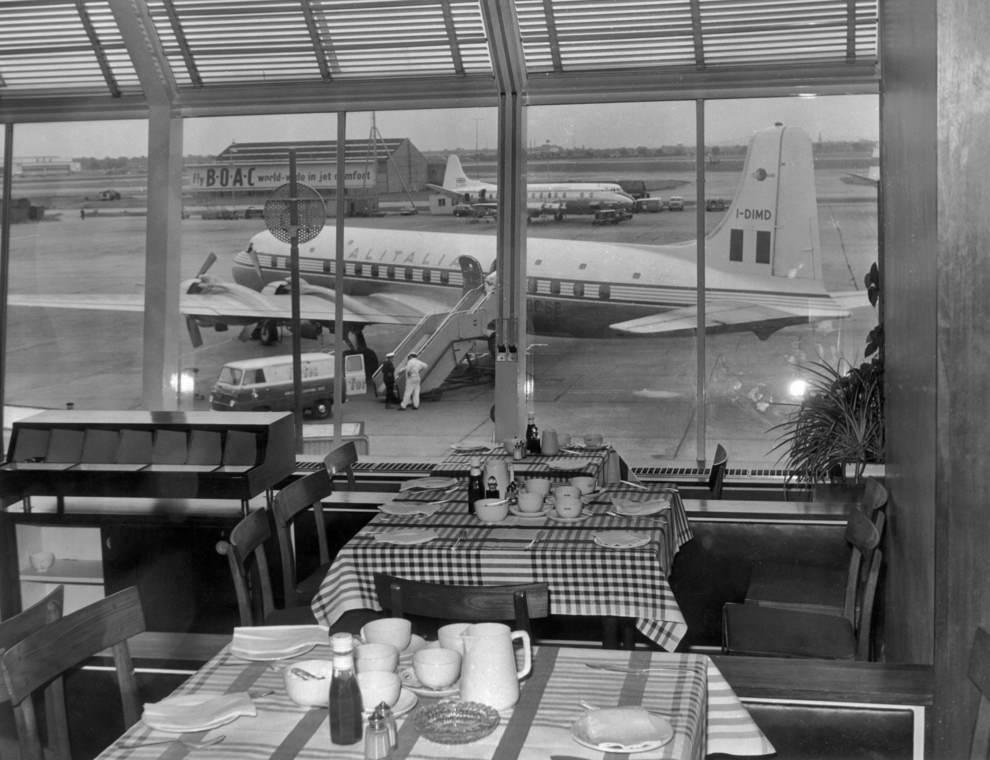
<point x="345" y="697"/>
<point x="532" y="435"/>
<point x="377" y="745"/>
<point x="476" y="485"/>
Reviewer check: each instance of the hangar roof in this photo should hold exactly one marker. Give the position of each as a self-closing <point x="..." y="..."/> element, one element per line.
<point x="73" y="59"/>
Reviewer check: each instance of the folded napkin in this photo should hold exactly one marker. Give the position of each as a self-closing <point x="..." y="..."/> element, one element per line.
<point x="640" y="504"/>
<point x="406" y="537"/>
<point x="623" y="727"/>
<point x="275" y="641"/>
<point x="406" y="508"/>
<point x="196" y="712"/>
<point x="420" y="484"/>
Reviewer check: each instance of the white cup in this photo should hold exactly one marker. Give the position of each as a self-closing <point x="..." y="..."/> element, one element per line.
<point x="530" y="502"/>
<point x="437" y="668"/>
<point x="584" y="483"/>
<point x="594" y="440"/>
<point x="376" y="657"/>
<point x="377" y="686"/>
<point x="450" y="636"/>
<point x="538" y="485"/>
<point x="393" y="630"/>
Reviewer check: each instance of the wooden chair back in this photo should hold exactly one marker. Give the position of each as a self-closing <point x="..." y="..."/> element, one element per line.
<point x="518" y="602"/>
<point x="341" y="461"/>
<point x="13" y="629"/>
<point x="40" y="659"/>
<point x="863" y="535"/>
<point x="864" y="607"/>
<point x="717" y="474"/>
<point x="245" y="552"/>
<point x="979" y="674"/>
<point x="290" y="502"/>
<point x="874" y="497"/>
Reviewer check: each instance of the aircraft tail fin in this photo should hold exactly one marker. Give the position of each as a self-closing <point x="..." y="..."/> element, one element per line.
<point x="771" y="227"/>
<point x="454" y="177"/>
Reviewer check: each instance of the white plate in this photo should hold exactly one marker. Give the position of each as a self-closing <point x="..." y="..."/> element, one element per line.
<point x="552" y="514"/>
<point x="620" y="539"/>
<point x="470" y="448"/>
<point x="406" y="537"/>
<point x="410" y="682"/>
<point x="421" y="484"/>
<point x="664" y="732"/>
<point x="406" y="702"/>
<point x="184" y="701"/>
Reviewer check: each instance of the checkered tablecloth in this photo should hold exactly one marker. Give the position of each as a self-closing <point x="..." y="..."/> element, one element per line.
<point x="689" y="690"/>
<point x="584" y="578"/>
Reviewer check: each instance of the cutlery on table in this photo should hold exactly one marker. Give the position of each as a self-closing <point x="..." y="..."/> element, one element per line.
<point x="634" y="485"/>
<point x="137" y="744"/>
<point x="460" y="535"/>
<point x="306" y="675"/>
<point x="536" y="539"/>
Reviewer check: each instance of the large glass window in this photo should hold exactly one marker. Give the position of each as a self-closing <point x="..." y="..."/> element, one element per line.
<point x="74" y="324"/>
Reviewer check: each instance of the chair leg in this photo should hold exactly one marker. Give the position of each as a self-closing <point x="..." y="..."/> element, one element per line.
<point x="610" y="632"/>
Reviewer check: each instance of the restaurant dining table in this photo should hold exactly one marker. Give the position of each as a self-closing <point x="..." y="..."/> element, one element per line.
<point x="687" y="690"/>
<point x="601" y="462"/>
<point x="602" y="564"/>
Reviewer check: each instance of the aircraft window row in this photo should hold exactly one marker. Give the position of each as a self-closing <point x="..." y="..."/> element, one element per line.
<point x="557" y="287"/>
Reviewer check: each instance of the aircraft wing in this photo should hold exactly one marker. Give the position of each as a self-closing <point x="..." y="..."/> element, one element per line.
<point x="728" y="313"/>
<point x="457" y="195"/>
<point x="383" y="309"/>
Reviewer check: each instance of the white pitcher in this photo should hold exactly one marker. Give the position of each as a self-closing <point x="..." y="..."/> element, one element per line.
<point x="497" y="470"/>
<point x="488" y="671"/>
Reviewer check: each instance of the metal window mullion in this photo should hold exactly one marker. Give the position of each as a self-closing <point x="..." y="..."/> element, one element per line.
<point x="97" y="49"/>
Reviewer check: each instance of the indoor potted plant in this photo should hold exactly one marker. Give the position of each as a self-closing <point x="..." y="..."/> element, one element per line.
<point x="838" y="429"/>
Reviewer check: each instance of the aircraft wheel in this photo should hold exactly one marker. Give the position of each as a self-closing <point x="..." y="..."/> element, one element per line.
<point x="269" y="333"/>
<point x="322" y="409"/>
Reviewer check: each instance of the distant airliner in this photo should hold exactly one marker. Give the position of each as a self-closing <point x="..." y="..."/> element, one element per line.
<point x="763" y="270"/>
<point x="541" y="197"/>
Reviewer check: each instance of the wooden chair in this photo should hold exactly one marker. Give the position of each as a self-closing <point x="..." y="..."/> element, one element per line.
<point x="758" y="629"/>
<point x="815" y="588"/>
<point x="717" y="474"/>
<point x="341" y="460"/>
<point x="292" y="501"/>
<point x="519" y="603"/>
<point x="979" y="674"/>
<point x="12" y="630"/>
<point x="248" y="562"/>
<point x="41" y="658"/>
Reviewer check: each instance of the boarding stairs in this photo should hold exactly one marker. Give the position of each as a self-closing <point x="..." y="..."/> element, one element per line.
<point x="445" y="341"/>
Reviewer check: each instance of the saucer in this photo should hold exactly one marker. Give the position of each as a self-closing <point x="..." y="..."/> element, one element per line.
<point x="407" y="701"/>
<point x="416" y="643"/>
<point x="589" y="731"/>
<point x="551" y="512"/>
<point x="514" y="509"/>
<point x="409" y="681"/>
<point x="620" y="539"/>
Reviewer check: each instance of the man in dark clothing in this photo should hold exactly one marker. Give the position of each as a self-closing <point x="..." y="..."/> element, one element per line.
<point x="388" y="377"/>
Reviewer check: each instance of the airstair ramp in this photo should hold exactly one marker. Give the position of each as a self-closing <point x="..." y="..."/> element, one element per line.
<point x="436" y="336"/>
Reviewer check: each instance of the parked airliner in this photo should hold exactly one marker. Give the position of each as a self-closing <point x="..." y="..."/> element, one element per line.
<point x="763" y="271"/>
<point x="558" y="198"/>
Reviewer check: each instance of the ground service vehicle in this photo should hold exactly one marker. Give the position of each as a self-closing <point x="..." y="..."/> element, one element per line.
<point x="676" y="203"/>
<point x="716" y="204"/>
<point x="265" y="384"/>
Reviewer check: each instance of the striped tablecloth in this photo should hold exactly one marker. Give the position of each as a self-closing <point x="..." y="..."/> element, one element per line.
<point x="583" y="577"/>
<point x="689" y="690"/>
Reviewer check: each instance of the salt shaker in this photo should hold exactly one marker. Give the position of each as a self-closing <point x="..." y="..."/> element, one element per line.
<point x="376" y="739"/>
<point x="386" y="712"/>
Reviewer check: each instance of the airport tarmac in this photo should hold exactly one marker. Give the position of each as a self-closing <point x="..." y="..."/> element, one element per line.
<point x="639" y="392"/>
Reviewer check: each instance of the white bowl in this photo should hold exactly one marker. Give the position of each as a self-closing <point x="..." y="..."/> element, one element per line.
<point x="377" y="686"/>
<point x="395" y="631"/>
<point x="305" y="691"/>
<point x="492" y="510"/>
<point x="376" y="657"/>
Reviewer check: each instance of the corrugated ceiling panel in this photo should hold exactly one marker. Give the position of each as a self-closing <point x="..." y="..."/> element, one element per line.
<point x="265" y="40"/>
<point x="47" y="46"/>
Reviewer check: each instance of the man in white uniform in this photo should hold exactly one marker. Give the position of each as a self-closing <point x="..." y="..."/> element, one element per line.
<point x="414" y="369"/>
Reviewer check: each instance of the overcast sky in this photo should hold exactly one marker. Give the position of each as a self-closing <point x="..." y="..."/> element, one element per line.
<point x="614" y="125"/>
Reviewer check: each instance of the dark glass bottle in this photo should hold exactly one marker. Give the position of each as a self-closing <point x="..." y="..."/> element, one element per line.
<point x="476" y="485"/>
<point x="532" y="435"/>
<point x="345" y="697"/>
